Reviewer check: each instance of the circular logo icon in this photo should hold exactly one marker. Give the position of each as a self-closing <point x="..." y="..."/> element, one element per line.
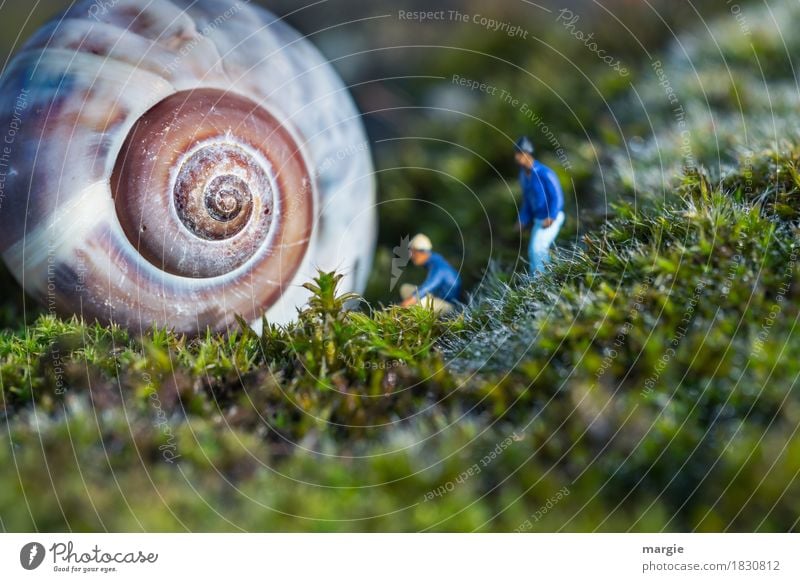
<point x="31" y="555"/>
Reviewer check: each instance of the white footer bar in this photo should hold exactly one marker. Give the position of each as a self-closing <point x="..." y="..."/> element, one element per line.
<point x="401" y="557"/>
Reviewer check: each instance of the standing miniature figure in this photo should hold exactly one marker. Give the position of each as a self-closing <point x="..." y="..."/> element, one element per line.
<point x="441" y="289"/>
<point x="542" y="204"/>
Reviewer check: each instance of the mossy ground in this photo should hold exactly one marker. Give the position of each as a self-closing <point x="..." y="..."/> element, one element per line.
<point x="647" y="382"/>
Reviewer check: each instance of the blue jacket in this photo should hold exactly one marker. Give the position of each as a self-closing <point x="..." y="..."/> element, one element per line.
<point x="442" y="281"/>
<point x="542" y="196"/>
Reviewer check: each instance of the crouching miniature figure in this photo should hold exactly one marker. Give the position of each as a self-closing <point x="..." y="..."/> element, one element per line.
<point x="442" y="287"/>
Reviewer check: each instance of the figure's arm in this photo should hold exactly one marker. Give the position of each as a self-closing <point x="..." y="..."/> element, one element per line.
<point x="555" y="199"/>
<point x="432" y="281"/>
<point x="525" y="211"/>
<point x="555" y="196"/>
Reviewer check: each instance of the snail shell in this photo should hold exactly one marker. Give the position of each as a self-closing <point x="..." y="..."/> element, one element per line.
<point x="178" y="163"/>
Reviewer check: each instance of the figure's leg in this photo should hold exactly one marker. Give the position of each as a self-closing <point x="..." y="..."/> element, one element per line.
<point x="556" y="228"/>
<point x="542" y="239"/>
<point x="543" y="242"/>
<point x="407" y="290"/>
<point x="534" y="248"/>
<point x="440" y="306"/>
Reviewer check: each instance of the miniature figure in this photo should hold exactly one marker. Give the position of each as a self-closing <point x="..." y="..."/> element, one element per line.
<point x="542" y="204"/>
<point x="441" y="289"/>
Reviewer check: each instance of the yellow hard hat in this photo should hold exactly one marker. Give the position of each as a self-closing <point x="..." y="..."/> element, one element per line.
<point x="420" y="243"/>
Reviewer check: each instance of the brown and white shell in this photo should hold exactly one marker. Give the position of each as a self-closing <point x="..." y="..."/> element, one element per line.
<point x="177" y="163"/>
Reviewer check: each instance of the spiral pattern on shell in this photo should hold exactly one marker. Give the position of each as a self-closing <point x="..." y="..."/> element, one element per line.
<point x="178" y="163"/>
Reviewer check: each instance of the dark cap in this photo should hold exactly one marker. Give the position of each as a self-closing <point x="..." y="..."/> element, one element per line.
<point x="524" y="145"/>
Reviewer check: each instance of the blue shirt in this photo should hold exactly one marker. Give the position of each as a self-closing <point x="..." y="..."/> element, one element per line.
<point x="542" y="196"/>
<point x="442" y="281"/>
